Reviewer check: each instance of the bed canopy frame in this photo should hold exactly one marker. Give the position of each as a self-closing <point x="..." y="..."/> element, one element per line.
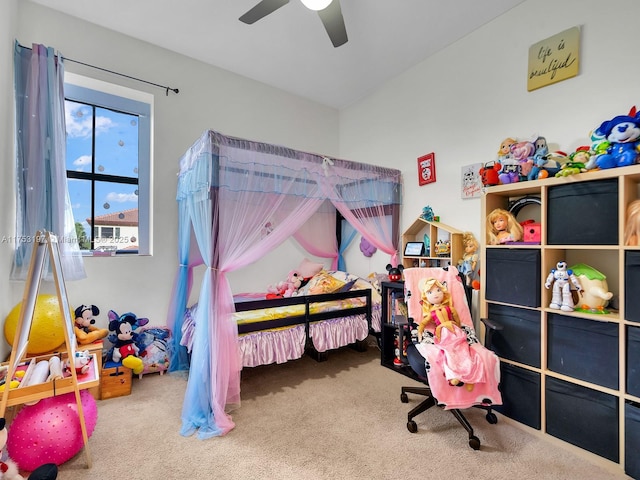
<point x="237" y="200"/>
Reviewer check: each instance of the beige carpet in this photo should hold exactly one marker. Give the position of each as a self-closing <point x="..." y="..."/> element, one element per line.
<point x="306" y="420"/>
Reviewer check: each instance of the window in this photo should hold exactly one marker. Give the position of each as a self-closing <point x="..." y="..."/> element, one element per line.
<point x="108" y="165"/>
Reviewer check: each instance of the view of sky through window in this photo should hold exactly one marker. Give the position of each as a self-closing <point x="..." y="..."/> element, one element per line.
<point x="102" y="161"/>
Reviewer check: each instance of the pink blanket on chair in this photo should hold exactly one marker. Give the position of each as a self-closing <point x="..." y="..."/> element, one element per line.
<point x="457" y="357"/>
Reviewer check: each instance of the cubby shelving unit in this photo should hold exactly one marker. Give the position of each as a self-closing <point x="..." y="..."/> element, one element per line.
<point x="572" y="375"/>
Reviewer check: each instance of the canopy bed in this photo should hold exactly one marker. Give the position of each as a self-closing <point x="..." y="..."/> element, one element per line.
<point x="237" y="200"/>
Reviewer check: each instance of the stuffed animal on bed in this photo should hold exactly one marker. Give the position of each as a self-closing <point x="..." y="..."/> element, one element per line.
<point x="287" y="288"/>
<point x="86" y="331"/>
<point x="125" y="349"/>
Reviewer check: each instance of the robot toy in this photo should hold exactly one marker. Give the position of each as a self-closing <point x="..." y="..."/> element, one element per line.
<point x="561" y="277"/>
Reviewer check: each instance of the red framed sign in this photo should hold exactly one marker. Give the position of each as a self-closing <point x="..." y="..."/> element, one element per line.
<point x="427" y="169"/>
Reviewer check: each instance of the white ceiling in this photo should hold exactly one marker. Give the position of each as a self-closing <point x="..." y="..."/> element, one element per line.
<point x="290" y="49"/>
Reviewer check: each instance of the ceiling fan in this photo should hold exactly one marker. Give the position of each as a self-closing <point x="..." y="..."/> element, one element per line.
<point x="329" y="11"/>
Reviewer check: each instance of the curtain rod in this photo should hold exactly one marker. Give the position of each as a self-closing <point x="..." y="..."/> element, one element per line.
<point x="174" y="90"/>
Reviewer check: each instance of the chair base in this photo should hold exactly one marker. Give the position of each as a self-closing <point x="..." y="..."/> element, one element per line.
<point x="430" y="401"/>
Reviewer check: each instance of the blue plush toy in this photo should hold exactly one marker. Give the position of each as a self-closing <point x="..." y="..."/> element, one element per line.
<point x="623" y="134"/>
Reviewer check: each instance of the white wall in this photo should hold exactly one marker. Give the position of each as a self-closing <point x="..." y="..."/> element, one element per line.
<point x="209" y="98"/>
<point x="460" y="104"/>
<point x="464" y="101"/>
<point x="8" y="12"/>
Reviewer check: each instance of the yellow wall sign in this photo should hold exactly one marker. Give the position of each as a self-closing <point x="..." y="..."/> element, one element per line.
<point x="554" y="59"/>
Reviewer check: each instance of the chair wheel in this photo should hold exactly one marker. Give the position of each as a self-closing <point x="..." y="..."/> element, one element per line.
<point x="404" y="398"/>
<point x="474" y="442"/>
<point x="492" y="418"/>
<point x="412" y="426"/>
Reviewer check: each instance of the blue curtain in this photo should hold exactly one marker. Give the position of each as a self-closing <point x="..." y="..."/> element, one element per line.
<point x="347" y="235"/>
<point x="41" y="188"/>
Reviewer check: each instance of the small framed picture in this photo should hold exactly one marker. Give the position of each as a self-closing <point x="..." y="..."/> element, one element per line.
<point x="427" y="169"/>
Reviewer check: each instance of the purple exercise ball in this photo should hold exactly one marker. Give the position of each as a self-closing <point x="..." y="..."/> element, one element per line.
<point x="49" y="431"/>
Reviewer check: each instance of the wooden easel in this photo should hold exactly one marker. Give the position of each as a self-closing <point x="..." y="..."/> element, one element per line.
<point x="44" y="242"/>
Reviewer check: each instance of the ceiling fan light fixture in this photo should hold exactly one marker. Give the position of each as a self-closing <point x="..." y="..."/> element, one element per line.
<point x="316" y="4"/>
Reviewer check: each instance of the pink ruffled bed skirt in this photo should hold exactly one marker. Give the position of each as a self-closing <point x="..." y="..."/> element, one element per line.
<point x="280" y="346"/>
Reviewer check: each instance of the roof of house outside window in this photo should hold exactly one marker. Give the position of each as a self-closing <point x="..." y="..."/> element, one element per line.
<point x="125" y="218"/>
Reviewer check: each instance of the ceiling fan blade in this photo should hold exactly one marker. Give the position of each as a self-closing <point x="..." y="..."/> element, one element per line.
<point x="261" y="10"/>
<point x="334" y="23"/>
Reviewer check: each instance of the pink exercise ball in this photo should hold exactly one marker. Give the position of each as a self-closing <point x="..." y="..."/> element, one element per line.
<point x="49" y="431"/>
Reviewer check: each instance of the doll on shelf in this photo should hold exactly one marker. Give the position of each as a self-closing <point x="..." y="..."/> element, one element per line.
<point x="502" y="227"/>
<point x="632" y="230"/>
<point x="469" y="261"/>
<point x="459" y="363"/>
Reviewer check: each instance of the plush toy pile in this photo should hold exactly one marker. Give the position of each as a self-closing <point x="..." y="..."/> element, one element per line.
<point x="615" y="143"/>
<point x="287" y="288"/>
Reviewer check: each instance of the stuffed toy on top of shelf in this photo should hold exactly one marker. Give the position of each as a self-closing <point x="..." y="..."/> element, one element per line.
<point x="623" y="136"/>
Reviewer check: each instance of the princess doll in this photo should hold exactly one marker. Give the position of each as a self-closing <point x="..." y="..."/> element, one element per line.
<point x="502" y="227"/>
<point x="460" y="364"/>
<point x="632" y="230"/>
<point x="469" y="261"/>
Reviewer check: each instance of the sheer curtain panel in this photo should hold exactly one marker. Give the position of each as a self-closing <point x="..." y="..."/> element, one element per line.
<point x="41" y="183"/>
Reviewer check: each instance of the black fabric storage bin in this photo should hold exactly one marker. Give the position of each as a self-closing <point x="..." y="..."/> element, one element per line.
<point x="631" y="282"/>
<point x="513" y="276"/>
<point x="572" y="208"/>
<point x="584" y="417"/>
<point x="520" y="390"/>
<point x="584" y="349"/>
<point x="519" y="339"/>
<point x="633" y="361"/>
<point x="632" y="439"/>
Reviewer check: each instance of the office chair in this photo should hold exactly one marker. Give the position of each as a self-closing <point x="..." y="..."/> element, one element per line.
<point x="438" y="390"/>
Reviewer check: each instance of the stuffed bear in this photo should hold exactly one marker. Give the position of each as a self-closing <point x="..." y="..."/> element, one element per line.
<point x="287" y="288"/>
<point x="86" y="331"/>
<point x="9" y="468"/>
<point x="125" y="349"/>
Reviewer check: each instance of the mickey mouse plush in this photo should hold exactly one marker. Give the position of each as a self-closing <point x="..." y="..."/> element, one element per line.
<point x="125" y="349"/>
<point x="623" y="134"/>
<point x="86" y="331"/>
<point x="395" y="273"/>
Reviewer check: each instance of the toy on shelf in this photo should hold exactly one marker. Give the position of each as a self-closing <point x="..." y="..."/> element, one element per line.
<point x="468" y="263"/>
<point x="125" y="350"/>
<point x="427" y="214"/>
<point x="596" y="294"/>
<point x="540" y="160"/>
<point x="632" y="229"/>
<point x="395" y="273"/>
<point x="502" y="227"/>
<point x="81" y="362"/>
<point x="86" y="331"/>
<point x="443" y="248"/>
<point x="522" y="153"/>
<point x="577" y="162"/>
<point x="489" y="174"/>
<point x="509" y="167"/>
<point x="561" y="277"/>
<point x="623" y="134"/>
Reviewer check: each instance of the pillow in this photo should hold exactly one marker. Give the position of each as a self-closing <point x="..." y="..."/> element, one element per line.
<point x="323" y="282"/>
<point x="308" y="269"/>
